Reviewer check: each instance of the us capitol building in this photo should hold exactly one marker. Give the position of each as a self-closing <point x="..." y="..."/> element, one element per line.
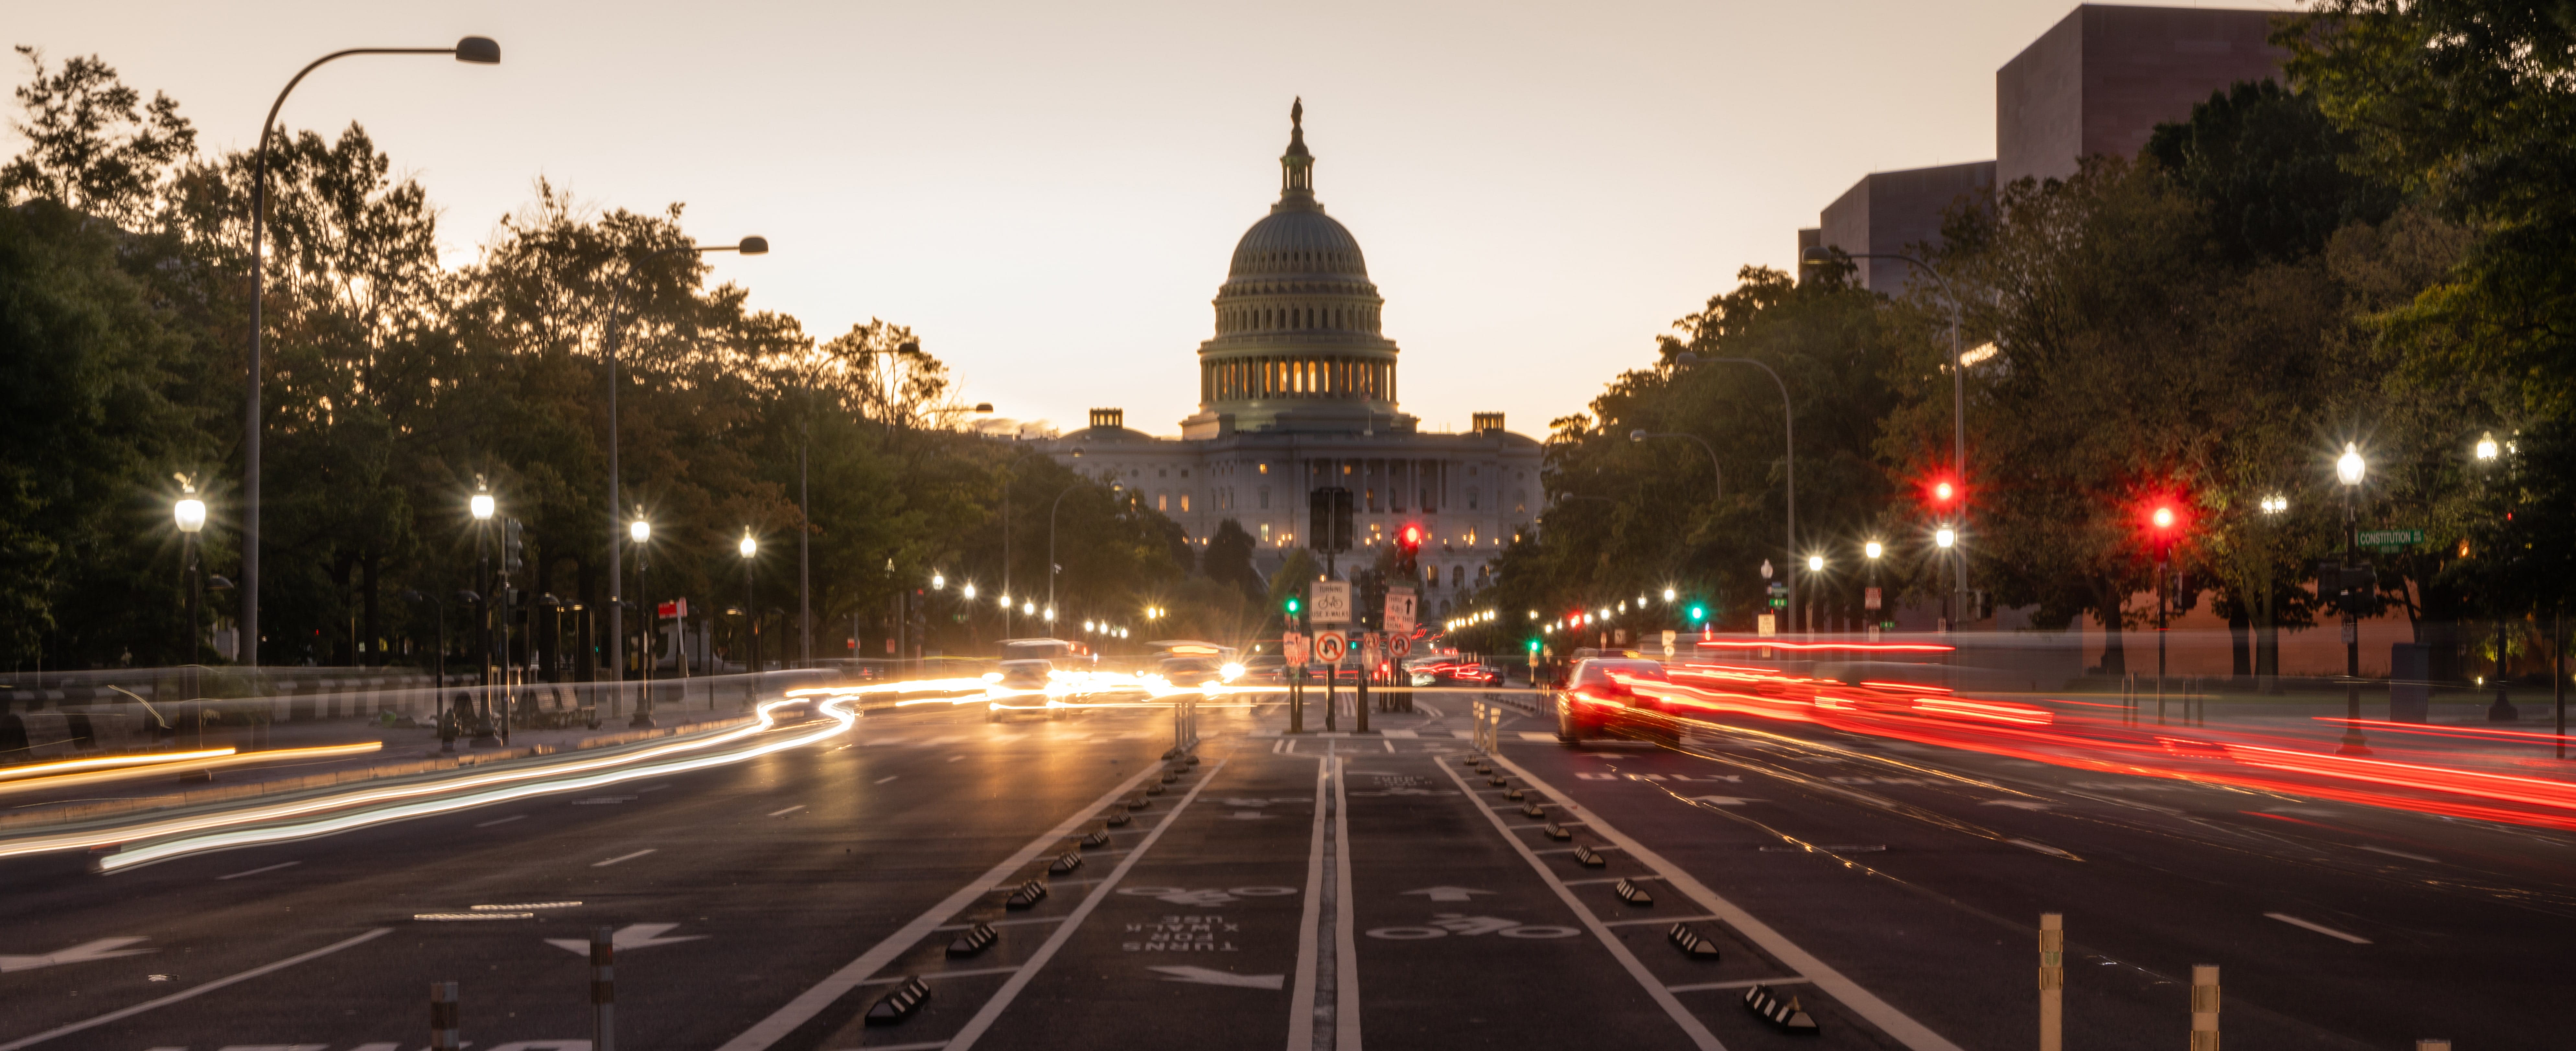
<point x="1297" y="391"/>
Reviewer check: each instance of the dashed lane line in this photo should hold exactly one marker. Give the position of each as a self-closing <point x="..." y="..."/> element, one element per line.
<point x="623" y="857"/>
<point x="984" y="1017"/>
<point x="1346" y="957"/>
<point x="822" y="994"/>
<point x="1885" y="1016"/>
<point x="501" y="821"/>
<point x="257" y="871"/>
<point x="129" y="1012"/>
<point x="784" y="811"/>
<point x="2317" y="927"/>
<point x="1746" y="983"/>
<point x="1689" y="1023"/>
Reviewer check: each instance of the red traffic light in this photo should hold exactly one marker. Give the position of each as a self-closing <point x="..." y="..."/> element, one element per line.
<point x="1942" y="493"/>
<point x="2162" y="517"/>
<point x="1410" y="537"/>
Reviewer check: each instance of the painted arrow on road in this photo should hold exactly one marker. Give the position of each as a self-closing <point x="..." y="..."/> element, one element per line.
<point x="1450" y="893"/>
<point x="1724" y="800"/>
<point x="631" y="936"/>
<point x="102" y="949"/>
<point x="1204" y="976"/>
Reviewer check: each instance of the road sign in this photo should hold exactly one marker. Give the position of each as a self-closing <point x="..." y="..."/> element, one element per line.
<point x="2389" y="539"/>
<point x="1330" y="647"/>
<point x="1669" y="638"/>
<point x="675" y="609"/>
<point x="1766" y="625"/>
<point x="1368" y="651"/>
<point x="1292" y="648"/>
<point x="1399" y="611"/>
<point x="1869" y="598"/>
<point x="1332" y="602"/>
<point x="1401" y="644"/>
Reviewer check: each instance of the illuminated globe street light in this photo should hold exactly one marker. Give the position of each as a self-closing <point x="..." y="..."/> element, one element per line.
<point x="190" y="513"/>
<point x="1946" y="538"/>
<point x="2349" y="470"/>
<point x="750" y="546"/>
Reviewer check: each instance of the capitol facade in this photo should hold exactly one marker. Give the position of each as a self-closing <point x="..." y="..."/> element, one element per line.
<point x="1297" y="391"/>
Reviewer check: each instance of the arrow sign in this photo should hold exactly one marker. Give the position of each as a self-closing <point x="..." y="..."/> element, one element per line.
<point x="631" y="936"/>
<point x="1450" y="893"/>
<point x="1204" y="976"/>
<point x="102" y="949"/>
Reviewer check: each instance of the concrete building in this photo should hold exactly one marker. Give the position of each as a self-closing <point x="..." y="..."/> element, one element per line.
<point x="2099" y="81"/>
<point x="2103" y="77"/>
<point x="1297" y="391"/>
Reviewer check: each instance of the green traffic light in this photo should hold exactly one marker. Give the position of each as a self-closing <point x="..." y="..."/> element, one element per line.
<point x="1292" y="605"/>
<point x="1533" y="645"/>
<point x="1698" y="613"/>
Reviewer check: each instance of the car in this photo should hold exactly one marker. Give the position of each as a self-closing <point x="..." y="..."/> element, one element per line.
<point x="1190" y="671"/>
<point x="1029" y="673"/>
<point x="1267" y="667"/>
<point x="1448" y="672"/>
<point x="1597" y="698"/>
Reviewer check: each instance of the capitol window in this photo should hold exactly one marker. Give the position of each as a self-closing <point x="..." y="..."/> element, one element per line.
<point x="1185" y="502"/>
<point x="1265" y="494"/>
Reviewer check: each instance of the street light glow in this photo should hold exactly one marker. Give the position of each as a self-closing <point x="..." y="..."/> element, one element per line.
<point x="191" y="513"/>
<point x="2487" y="446"/>
<point x="1945" y="538"/>
<point x="748" y="546"/>
<point x="481" y="505"/>
<point x="1668" y="596"/>
<point x="639" y="531"/>
<point x="1815" y="563"/>
<point x="2348" y="467"/>
<point x="968" y="591"/>
<point x="1873" y="549"/>
<point x="2275" y="504"/>
<point x="938" y="582"/>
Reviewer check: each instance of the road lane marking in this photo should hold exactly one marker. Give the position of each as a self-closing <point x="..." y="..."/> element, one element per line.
<point x="254" y="872"/>
<point x="1657" y="919"/>
<point x="887" y="778"/>
<point x="102" y="949"/>
<point x="623" y="857"/>
<point x="786" y="811"/>
<point x="501" y="821"/>
<point x="2401" y="854"/>
<point x="631" y="936"/>
<point x="1301" y="995"/>
<point x="928" y="975"/>
<point x="1885" y="1016"/>
<point x="2043" y="848"/>
<point x="1689" y="1023"/>
<point x="1206" y="976"/>
<point x="1747" y="983"/>
<point x="2317" y="927"/>
<point x="993" y="1008"/>
<point x="823" y="994"/>
<point x="129" y="1012"/>
<point x="1346" y="963"/>
<point x="998" y="923"/>
<point x="1604" y="879"/>
<point x="955" y="758"/>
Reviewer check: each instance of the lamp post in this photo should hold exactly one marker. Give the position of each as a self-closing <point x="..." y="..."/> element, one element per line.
<point x="474" y="49"/>
<point x="1815" y="569"/>
<point x="1872" y="550"/>
<point x="750" y="617"/>
<point x="1789" y="433"/>
<point x="1051" y="566"/>
<point x="190" y="514"/>
<point x="1718" y="472"/>
<point x="1945" y="538"/>
<point x="640" y="532"/>
<point x="2489" y="455"/>
<point x="2349" y="469"/>
<point x="2163" y="519"/>
<point x="2267" y="640"/>
<point x="616" y="325"/>
<point x="482" y="507"/>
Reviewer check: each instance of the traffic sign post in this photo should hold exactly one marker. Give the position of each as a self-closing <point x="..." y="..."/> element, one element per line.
<point x="1331" y="647"/>
<point x="1332" y="602"/>
<point x="1399" y="611"/>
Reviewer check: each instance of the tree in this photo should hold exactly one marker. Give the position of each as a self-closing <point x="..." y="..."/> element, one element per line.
<point x="1227" y="559"/>
<point x="2272" y="172"/>
<point x="92" y="145"/>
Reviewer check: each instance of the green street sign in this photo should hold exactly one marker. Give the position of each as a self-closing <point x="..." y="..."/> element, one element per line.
<point x="2389" y="539"/>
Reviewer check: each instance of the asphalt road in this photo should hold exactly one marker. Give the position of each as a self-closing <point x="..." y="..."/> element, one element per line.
<point x="1316" y="892"/>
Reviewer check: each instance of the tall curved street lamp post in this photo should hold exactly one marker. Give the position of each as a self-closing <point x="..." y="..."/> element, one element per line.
<point x="1958" y="373"/>
<point x="616" y="326"/>
<point x="477" y="50"/>
<point x="640" y="532"/>
<point x="749" y="546"/>
<point x="1789" y="435"/>
<point x="2349" y="470"/>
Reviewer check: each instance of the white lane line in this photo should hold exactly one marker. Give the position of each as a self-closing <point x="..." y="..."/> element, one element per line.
<point x="1690" y="1024"/>
<point x="623" y="857"/>
<point x="501" y="821"/>
<point x="129" y="1012"/>
<point x="2401" y="854"/>
<point x="1743" y="984"/>
<point x="993" y="1008"/>
<point x="254" y="872"/>
<point x="787" y="811"/>
<point x="928" y="975"/>
<point x="998" y="923"/>
<point x="887" y="778"/>
<point x="955" y="758"/>
<point x="1604" y="879"/>
<point x="1346" y="957"/>
<point x="812" y="1001"/>
<point x="1301" y="993"/>
<point x="932" y="1045"/>
<point x="1390" y="745"/>
<point x="1885" y="1016"/>
<point x="1658" y="919"/>
<point x="2317" y="927"/>
<point x="1569" y="850"/>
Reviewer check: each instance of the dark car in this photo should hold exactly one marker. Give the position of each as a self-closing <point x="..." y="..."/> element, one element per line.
<point x="1595" y="700"/>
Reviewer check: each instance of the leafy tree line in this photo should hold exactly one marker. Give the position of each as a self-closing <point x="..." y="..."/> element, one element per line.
<point x="2378" y="253"/>
<point x="395" y="387"/>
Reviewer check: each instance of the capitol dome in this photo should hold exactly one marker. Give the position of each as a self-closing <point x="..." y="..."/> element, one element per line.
<point x="1297" y="342"/>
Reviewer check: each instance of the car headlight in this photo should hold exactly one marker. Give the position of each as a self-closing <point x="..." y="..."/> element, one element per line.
<point x="1231" y="672"/>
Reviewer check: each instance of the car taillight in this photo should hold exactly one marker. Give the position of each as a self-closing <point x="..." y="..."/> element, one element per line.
<point x="1605" y="696"/>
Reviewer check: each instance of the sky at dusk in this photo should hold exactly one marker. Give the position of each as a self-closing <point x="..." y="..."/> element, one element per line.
<point x="1049" y="192"/>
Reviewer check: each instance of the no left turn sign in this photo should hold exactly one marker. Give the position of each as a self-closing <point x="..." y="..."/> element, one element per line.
<point x="1330" y="646"/>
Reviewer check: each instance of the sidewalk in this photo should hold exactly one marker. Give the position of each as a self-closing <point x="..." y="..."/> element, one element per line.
<point x="49" y="802"/>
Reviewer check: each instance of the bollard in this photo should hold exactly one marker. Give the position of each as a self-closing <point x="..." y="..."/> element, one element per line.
<point x="442" y="1017"/>
<point x="2204" y="1007"/>
<point x="2052" y="981"/>
<point x="603" y="989"/>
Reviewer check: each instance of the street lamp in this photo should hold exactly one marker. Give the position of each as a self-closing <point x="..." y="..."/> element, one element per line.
<point x="482" y="507"/>
<point x="1719" y="472"/>
<point x="474" y="50"/>
<point x="2502" y="710"/>
<point x="2348" y="470"/>
<point x="616" y="325"/>
<point x="749" y="547"/>
<point x="640" y="532"/>
<point x="191" y="515"/>
<point x="1873" y="550"/>
<point x="1789" y="475"/>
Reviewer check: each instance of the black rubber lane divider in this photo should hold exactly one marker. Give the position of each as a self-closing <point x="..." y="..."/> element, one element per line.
<point x="1497" y="782"/>
<point x="1513" y="793"/>
<point x="1632" y="894"/>
<point x="976" y="939"/>
<point x="1784" y="1015"/>
<point x="1096" y="839"/>
<point x="1028" y="894"/>
<point x="1588" y="858"/>
<point x="1064" y="863"/>
<point x="1153" y="790"/>
<point x="1169" y="777"/>
<point x="1139" y="802"/>
<point x="1532" y="809"/>
<point x="1192" y="759"/>
<point x="1115" y="819"/>
<point x="901" y="1003"/>
<point x="1555" y="831"/>
<point x="1688" y="940"/>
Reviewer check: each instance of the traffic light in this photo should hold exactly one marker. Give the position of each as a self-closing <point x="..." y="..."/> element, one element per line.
<point x="1532" y="646"/>
<point x="1408" y="543"/>
<point x="1698" y="612"/>
<point x="1293" y="605"/>
<point x="514" y="546"/>
<point x="1328" y="515"/>
<point x="1942" y="494"/>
